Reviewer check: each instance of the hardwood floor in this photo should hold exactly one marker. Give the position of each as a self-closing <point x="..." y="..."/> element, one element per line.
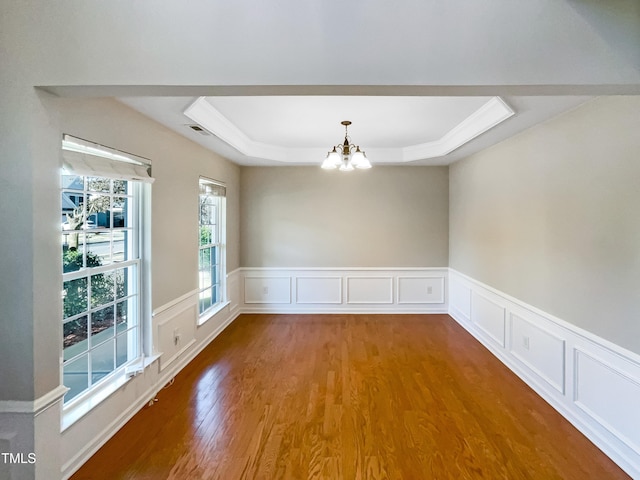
<point x="348" y="397"/>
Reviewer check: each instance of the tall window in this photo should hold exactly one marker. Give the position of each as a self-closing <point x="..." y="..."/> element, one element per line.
<point x="101" y="257"/>
<point x="211" y="254"/>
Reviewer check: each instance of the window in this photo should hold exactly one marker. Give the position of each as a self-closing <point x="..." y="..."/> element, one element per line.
<point x="101" y="257"/>
<point x="211" y="252"/>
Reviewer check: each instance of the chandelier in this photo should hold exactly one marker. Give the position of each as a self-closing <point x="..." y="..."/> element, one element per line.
<point x="346" y="156"/>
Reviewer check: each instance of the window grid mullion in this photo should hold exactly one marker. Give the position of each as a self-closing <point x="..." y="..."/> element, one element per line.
<point x="130" y="236"/>
<point x="66" y="277"/>
<point x="99" y="307"/>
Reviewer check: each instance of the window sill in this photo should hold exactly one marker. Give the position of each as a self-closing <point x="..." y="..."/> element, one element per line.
<point x="212" y="312"/>
<point x="74" y="412"/>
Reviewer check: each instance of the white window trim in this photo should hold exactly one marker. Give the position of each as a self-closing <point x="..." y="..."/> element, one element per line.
<point x="85" y="402"/>
<point x="222" y="286"/>
<point x="88" y="399"/>
<point x="211" y="312"/>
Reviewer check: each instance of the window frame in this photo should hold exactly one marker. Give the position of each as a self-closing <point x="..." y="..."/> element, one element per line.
<point x="219" y="245"/>
<point x="132" y="332"/>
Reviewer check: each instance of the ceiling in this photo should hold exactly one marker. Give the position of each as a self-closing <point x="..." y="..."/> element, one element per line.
<point x="278" y="130"/>
<point x="381" y="122"/>
<point x="414" y="80"/>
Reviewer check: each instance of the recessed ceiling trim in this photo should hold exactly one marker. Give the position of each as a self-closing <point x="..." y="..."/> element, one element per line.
<point x="209" y="118"/>
<point x="486" y="117"/>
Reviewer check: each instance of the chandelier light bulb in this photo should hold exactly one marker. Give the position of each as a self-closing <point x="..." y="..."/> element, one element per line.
<point x="328" y="163"/>
<point x="363" y="163"/>
<point x="357" y="158"/>
<point x="346" y="167"/>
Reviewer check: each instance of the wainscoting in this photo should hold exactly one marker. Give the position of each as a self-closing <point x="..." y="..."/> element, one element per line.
<point x="593" y="383"/>
<point x="354" y="290"/>
<point x="175" y="328"/>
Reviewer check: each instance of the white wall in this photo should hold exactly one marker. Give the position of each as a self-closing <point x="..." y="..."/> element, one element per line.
<point x="309" y="217"/>
<point x="551" y="217"/>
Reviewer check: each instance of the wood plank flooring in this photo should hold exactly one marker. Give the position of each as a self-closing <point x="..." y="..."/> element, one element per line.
<point x="347" y="397"/>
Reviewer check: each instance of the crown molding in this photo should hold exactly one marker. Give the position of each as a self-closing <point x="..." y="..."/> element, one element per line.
<point x="492" y="113"/>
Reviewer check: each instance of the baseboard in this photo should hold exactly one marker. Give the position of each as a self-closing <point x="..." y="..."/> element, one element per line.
<point x="571" y="369"/>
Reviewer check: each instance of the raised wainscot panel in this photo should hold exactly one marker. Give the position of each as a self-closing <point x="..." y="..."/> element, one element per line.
<point x="319" y="290"/>
<point x="489" y="317"/>
<point x="610" y="396"/>
<point x="176" y="332"/>
<point x="267" y="290"/>
<point x="460" y="297"/>
<point x="370" y="290"/>
<point x="539" y="350"/>
<point x="421" y="289"/>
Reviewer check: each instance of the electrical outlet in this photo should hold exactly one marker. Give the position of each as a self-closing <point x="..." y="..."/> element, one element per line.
<point x="429" y="290"/>
<point x="176" y="336"/>
<point x="525" y="342"/>
<point x="265" y="290"/>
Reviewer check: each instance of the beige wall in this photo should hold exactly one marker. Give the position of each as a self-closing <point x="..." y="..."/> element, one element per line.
<point x="551" y="217"/>
<point x="177" y="164"/>
<point x="308" y="217"/>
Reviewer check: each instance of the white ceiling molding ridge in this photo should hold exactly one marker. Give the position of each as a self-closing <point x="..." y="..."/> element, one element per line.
<point x="486" y="117"/>
<point x="209" y="118"/>
<point x="492" y="113"/>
